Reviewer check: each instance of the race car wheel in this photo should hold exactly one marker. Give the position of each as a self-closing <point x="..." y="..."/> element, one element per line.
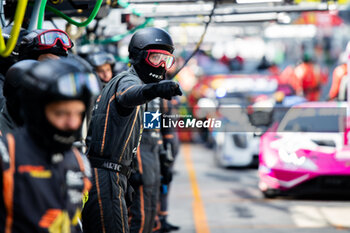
<point x="269" y="193"/>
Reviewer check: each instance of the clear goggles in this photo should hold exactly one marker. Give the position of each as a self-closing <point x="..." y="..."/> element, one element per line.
<point x="73" y="84"/>
<point x="49" y="38"/>
<point x="157" y="58"/>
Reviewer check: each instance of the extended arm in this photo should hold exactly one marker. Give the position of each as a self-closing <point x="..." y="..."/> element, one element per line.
<point x="131" y="92"/>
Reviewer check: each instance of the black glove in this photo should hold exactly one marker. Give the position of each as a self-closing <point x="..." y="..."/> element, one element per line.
<point x="165" y="167"/>
<point x="167" y="175"/>
<point x="136" y="180"/>
<point x="164" y="89"/>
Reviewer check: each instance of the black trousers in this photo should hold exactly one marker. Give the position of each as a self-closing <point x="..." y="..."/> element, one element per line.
<point x="144" y="206"/>
<point x="105" y="210"/>
<point x="144" y="209"/>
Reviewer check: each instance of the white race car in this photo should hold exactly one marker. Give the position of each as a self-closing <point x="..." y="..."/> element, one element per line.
<point x="238" y="144"/>
<point x="237" y="149"/>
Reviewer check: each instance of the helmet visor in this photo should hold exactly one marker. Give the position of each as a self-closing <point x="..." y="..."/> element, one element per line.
<point x="101" y="59"/>
<point x="49" y="38"/>
<point x="157" y="58"/>
<point x="73" y="84"/>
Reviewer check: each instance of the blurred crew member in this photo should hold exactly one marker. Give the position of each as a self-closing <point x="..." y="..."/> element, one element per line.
<point x="287" y="76"/>
<point x="169" y="151"/>
<point x="39" y="45"/>
<point x="116" y="127"/>
<point x="310" y="79"/>
<point x="146" y="181"/>
<point x="103" y="64"/>
<point x="339" y="74"/>
<point x="43" y="177"/>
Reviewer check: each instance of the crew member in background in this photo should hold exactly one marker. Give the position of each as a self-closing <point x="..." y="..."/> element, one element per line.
<point x="309" y="78"/>
<point x="147" y="181"/>
<point x="103" y="64"/>
<point x="116" y="128"/>
<point x="167" y="156"/>
<point x="338" y="77"/>
<point x="42" y="176"/>
<point x="31" y="46"/>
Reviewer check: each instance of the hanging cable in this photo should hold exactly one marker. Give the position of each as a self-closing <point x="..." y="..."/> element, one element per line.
<point x="199" y="42"/>
<point x="54" y="24"/>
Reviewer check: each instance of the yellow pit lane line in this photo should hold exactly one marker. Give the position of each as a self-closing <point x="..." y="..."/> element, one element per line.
<point x="199" y="216"/>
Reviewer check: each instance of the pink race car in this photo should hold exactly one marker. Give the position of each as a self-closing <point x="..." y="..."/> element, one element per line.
<point x="307" y="152"/>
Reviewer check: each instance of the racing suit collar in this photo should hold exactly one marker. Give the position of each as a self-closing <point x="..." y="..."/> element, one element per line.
<point x="132" y="70"/>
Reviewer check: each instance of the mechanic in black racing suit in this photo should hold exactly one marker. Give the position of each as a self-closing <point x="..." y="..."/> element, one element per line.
<point x="116" y="128"/>
<point x="30" y="46"/>
<point x="146" y="183"/>
<point x="42" y="176"/>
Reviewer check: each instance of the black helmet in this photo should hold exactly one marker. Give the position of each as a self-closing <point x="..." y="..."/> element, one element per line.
<point x="12" y="85"/>
<point x="43" y="41"/>
<point x="149" y="39"/>
<point x="50" y="81"/>
<point x="101" y="58"/>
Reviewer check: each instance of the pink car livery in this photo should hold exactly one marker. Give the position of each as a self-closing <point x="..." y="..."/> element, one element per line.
<point x="306" y="153"/>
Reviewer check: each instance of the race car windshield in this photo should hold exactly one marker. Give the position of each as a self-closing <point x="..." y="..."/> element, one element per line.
<point x="296" y="120"/>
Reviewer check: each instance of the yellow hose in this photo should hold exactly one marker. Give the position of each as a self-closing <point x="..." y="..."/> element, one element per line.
<point x="2" y="42"/>
<point x="6" y="50"/>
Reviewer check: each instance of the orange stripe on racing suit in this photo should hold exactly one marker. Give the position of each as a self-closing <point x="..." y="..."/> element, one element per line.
<point x="142" y="204"/>
<point x="106" y="122"/>
<point x="8" y="184"/>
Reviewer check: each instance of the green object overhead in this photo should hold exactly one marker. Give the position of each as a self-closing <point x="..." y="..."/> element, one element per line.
<point x="117" y="38"/>
<point x="41" y="14"/>
<point x="72" y="21"/>
<point x="125" y="4"/>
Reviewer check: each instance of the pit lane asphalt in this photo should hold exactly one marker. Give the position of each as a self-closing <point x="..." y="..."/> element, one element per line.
<point x="205" y="198"/>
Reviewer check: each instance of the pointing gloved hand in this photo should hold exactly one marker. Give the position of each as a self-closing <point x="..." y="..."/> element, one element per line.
<point x="164" y="89"/>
